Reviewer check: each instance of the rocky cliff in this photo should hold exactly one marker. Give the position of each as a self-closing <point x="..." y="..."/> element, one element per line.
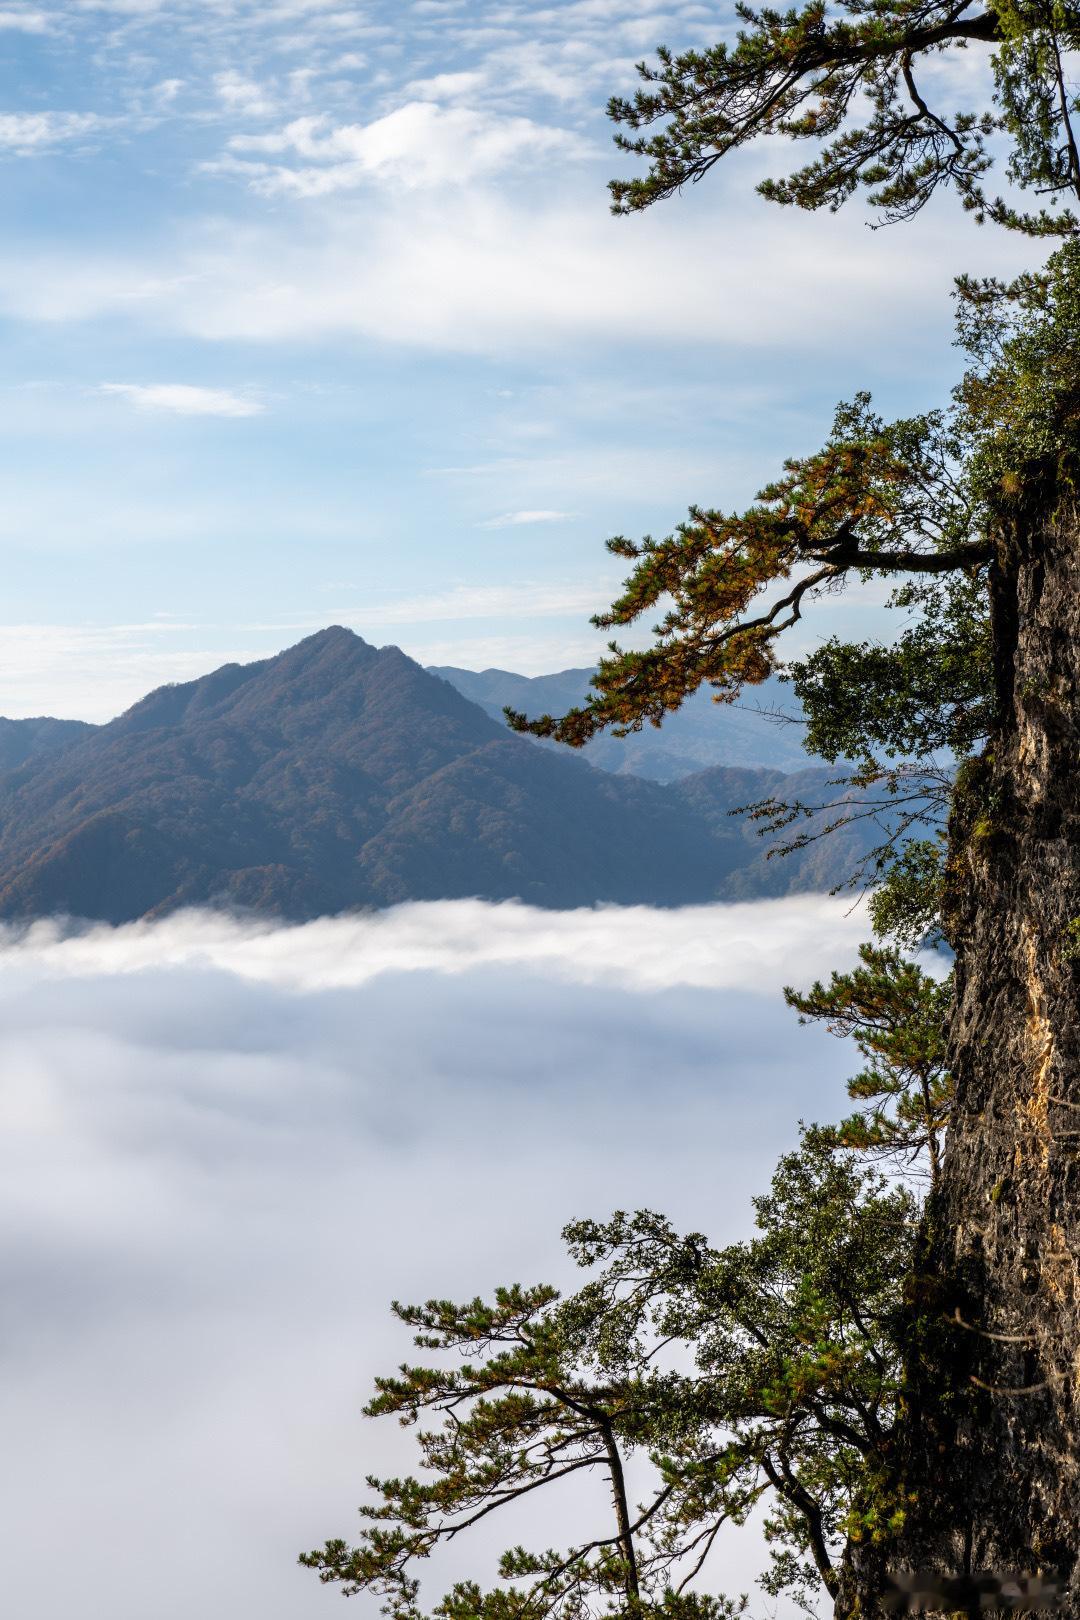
<point x="986" y="1469"/>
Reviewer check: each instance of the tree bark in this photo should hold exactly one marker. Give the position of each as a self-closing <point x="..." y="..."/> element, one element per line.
<point x="986" y="1466"/>
<point x="622" y="1510"/>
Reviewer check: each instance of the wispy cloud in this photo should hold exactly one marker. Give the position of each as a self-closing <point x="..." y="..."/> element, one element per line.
<point x="185" y="399"/>
<point x="420" y="144"/>
<point x="25" y="22"/>
<point x="527" y="599"/>
<point x="24" y="134"/>
<point x="501" y="275"/>
<point x="447" y="86"/>
<point x="93" y="672"/>
<point x="242" y="95"/>
<point x="511" y="520"/>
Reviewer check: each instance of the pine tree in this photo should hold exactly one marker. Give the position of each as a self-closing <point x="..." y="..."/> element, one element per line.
<point x="973" y="512"/>
<point x="760" y="1376"/>
<point x="763" y="1378"/>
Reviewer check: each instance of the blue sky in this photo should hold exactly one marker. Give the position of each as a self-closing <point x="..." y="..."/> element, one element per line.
<point x="315" y="313"/>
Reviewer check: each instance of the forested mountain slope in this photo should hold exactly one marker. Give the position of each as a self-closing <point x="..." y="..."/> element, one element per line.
<point x="29" y="739"/>
<point x="338" y="775"/>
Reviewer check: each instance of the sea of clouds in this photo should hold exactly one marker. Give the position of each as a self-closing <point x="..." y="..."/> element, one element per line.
<point x="225" y="1146"/>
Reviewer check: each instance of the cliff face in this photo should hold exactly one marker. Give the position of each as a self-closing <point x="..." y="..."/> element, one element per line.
<point x="1012" y="1189"/>
<point x="989" y="1452"/>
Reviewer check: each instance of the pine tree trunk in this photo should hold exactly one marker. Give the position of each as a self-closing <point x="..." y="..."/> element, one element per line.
<point x="987" y="1466"/>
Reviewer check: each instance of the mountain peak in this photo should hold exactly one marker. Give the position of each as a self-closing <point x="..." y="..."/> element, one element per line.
<point x="335" y="644"/>
<point x="337" y="774"/>
<point x="334" y="635"/>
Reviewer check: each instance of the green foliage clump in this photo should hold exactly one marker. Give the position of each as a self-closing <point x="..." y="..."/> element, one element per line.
<point x="1019" y="406"/>
<point x="928" y="692"/>
<point x="907" y="904"/>
<point x="896" y="1015"/>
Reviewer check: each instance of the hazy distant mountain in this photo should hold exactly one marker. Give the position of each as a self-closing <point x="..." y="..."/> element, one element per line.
<point x="700" y="734"/>
<point x="338" y="775"/>
<point x="29" y="739"/>
<point x="714" y="795"/>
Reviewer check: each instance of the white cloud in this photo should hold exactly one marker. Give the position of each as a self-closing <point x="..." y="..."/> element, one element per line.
<point x="185" y="399"/>
<point x="417" y="145"/>
<point x="510" y="520"/>
<point x="562" y="69"/>
<point x="478" y="272"/>
<point x="131" y="8"/>
<point x="24" y="22"/>
<point x="756" y="946"/>
<point x="242" y="95"/>
<point x="446" y="86"/>
<point x="25" y="133"/>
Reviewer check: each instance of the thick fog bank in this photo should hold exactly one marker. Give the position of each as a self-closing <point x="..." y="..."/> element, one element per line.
<point x="753" y="945"/>
<point x="226" y="1146"/>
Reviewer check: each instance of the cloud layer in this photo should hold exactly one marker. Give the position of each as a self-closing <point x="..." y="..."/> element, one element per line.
<point x="753" y="946"/>
<point x="478" y="271"/>
<point x="224" y="1147"/>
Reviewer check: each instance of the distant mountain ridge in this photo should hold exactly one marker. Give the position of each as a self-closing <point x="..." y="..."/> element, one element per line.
<point x="337" y="775"/>
<point x="29" y="739"/>
<point x="701" y="734"/>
